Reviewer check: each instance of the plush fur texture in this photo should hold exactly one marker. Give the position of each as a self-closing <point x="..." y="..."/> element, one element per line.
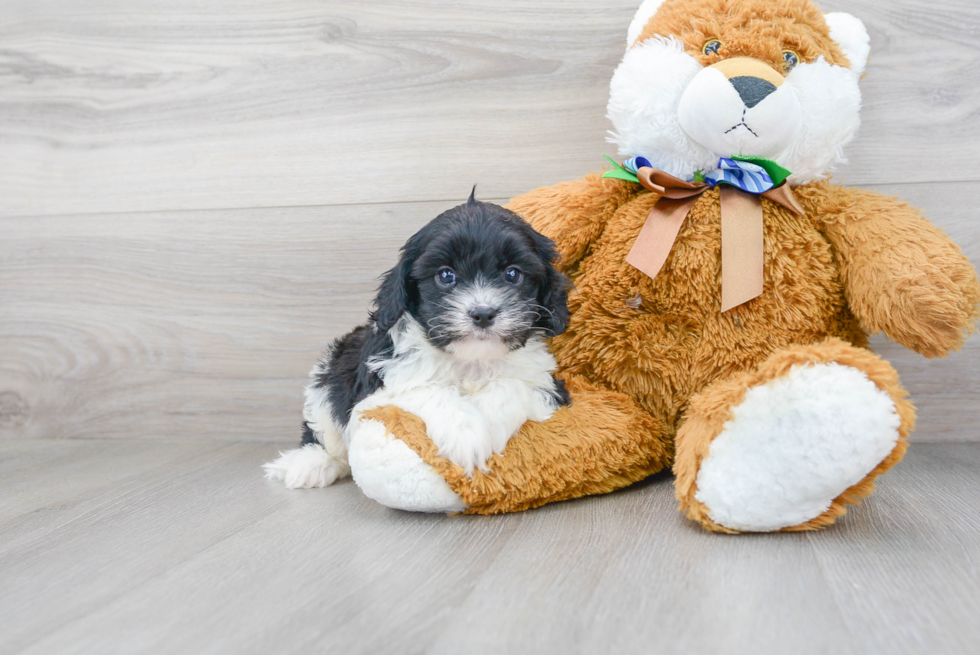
<point x="658" y="373"/>
<point x="712" y="410"/>
<point x="693" y="114"/>
<point x="456" y="337"/>
<point x="387" y="471"/>
<point x="756" y="479"/>
<point x="850" y="34"/>
<point x="640" y="20"/>
<point x="597" y="444"/>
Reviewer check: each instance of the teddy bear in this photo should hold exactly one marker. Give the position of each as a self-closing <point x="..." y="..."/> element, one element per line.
<point x="724" y="291"/>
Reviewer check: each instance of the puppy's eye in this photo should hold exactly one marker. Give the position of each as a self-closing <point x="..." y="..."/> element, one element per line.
<point x="513" y="275"/>
<point x="446" y="277"/>
<point x="791" y="59"/>
<point x="711" y="47"/>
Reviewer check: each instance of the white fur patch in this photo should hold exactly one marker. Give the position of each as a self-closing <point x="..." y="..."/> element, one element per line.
<point x="645" y="108"/>
<point x="852" y="36"/>
<point x="645" y="93"/>
<point x="793" y="445"/>
<point x="309" y="467"/>
<point x="478" y="349"/>
<point x="317" y="411"/>
<point x="471" y="407"/>
<point x="831" y="102"/>
<point x="391" y="473"/>
<point x="640" y="20"/>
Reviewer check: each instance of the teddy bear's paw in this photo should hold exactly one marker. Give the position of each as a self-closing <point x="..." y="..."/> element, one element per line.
<point x="309" y="467"/>
<point x="793" y="445"/>
<point x="463" y="442"/>
<point x="391" y="473"/>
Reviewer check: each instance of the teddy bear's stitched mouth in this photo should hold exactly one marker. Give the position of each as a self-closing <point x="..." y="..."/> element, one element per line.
<point x="742" y="124"/>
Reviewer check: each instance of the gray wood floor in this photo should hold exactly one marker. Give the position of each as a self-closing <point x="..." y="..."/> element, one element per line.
<point x="197" y="195"/>
<point x="181" y="547"/>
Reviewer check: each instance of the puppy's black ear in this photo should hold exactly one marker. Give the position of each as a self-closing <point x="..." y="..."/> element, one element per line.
<point x="394" y="294"/>
<point x="553" y="294"/>
<point x="472" y="198"/>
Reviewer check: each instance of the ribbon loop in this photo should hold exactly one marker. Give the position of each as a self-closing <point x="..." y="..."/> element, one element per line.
<point x="742" y="174"/>
<point x="667" y="185"/>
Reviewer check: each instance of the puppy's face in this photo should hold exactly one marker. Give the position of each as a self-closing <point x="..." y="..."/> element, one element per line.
<point x="479" y="280"/>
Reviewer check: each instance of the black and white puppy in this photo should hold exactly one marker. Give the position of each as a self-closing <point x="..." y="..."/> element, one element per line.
<point x="457" y="338"/>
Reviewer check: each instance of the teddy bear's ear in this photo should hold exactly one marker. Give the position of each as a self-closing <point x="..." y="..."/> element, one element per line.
<point x="643" y="16"/>
<point x="850" y="34"/>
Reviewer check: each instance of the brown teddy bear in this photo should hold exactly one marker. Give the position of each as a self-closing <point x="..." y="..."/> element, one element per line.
<point x="723" y="294"/>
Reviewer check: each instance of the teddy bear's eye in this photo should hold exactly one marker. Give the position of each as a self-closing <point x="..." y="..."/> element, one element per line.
<point x="791" y="59"/>
<point x="711" y="47"/>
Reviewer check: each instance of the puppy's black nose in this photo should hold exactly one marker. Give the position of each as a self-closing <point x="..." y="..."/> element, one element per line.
<point x="483" y="316"/>
<point x="752" y="90"/>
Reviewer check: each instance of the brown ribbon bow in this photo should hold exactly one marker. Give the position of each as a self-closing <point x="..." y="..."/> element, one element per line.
<point x="741" y="231"/>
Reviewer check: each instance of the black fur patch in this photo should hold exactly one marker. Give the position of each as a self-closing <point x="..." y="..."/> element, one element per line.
<point x="308" y="435"/>
<point x="347" y="378"/>
<point x="560" y="394"/>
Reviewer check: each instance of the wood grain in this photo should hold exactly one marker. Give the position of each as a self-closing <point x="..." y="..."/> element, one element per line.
<point x="607" y="576"/>
<point x="197" y="324"/>
<point x="886" y="571"/>
<point x="204" y="324"/>
<point x="197" y="553"/>
<point x="62" y="477"/>
<point x="222" y="104"/>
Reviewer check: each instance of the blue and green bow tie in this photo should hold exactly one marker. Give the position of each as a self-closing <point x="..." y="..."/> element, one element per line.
<point x="748" y="174"/>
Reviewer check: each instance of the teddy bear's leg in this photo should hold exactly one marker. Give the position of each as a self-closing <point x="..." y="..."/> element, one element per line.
<point x="601" y="442"/>
<point x="390" y="472"/>
<point x="788" y="445"/>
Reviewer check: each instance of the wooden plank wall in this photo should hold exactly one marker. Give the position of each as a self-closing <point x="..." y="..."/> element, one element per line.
<point x="196" y="195"/>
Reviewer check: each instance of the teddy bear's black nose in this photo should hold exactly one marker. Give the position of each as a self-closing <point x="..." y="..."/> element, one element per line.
<point x="752" y="90"/>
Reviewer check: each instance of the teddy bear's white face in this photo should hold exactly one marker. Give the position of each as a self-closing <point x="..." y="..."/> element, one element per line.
<point x="682" y="115"/>
<point x="741" y="106"/>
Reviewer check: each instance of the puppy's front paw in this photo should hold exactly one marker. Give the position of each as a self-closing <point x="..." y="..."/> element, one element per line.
<point x="309" y="467"/>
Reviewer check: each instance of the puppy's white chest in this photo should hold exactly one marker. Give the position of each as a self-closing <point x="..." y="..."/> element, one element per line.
<point x="471" y="388"/>
<point x="471" y="409"/>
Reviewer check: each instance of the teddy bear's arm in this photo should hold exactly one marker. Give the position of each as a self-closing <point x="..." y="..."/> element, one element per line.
<point x="573" y="214"/>
<point x="901" y="273"/>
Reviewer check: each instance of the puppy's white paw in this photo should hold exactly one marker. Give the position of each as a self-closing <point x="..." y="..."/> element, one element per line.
<point x="309" y="467"/>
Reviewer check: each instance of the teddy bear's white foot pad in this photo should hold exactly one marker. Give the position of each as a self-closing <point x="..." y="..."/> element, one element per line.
<point x="795" y="444"/>
<point x="309" y="467"/>
<point x="391" y="473"/>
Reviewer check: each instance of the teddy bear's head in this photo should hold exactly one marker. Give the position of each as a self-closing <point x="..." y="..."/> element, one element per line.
<point x="772" y="79"/>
